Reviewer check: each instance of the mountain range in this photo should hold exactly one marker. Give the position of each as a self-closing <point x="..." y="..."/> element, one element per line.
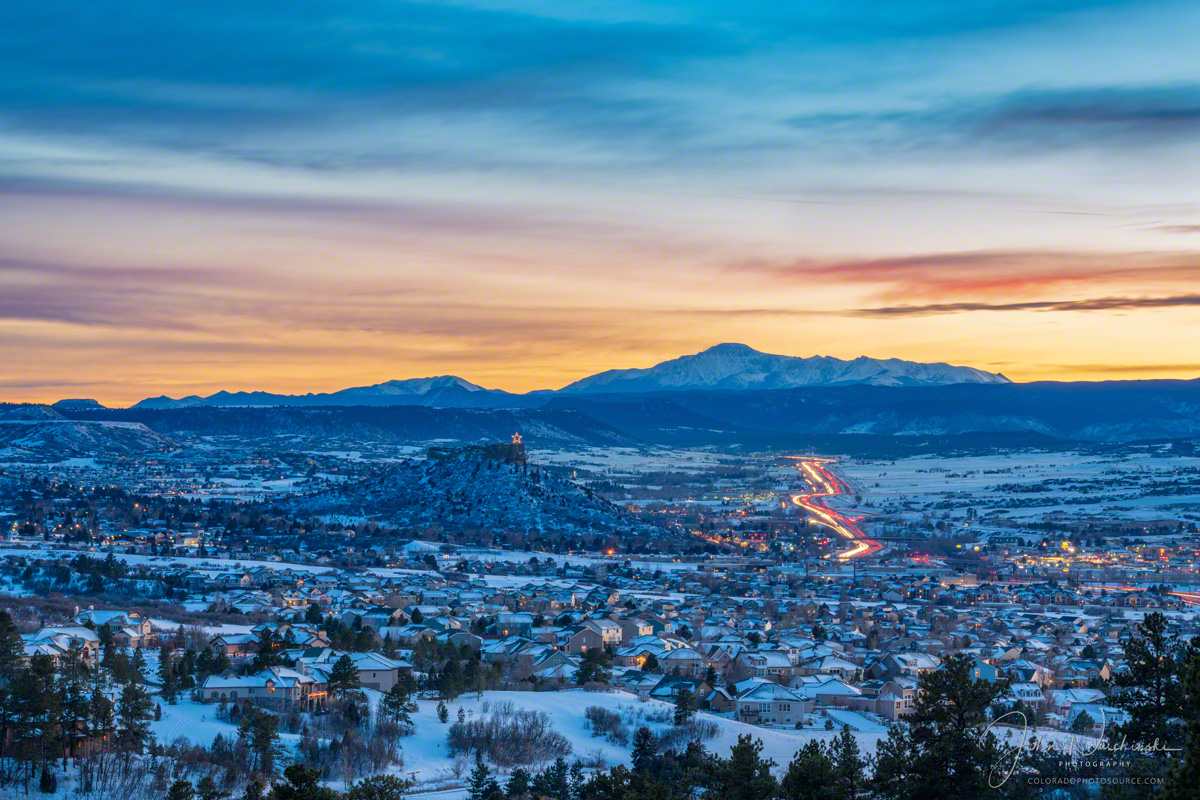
<point x="728" y="395"/>
<point x="734" y="367"/>
<point x="850" y="418"/>
<point x="443" y="391"/>
<point x="739" y="367"/>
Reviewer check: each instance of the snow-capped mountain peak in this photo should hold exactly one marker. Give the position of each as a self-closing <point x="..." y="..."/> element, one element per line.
<point x="417" y="386"/>
<point x="723" y="367"/>
<point x="737" y="366"/>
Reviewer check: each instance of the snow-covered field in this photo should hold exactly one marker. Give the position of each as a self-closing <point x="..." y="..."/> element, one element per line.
<point x="166" y="625"/>
<point x="209" y="565"/>
<point x="1137" y="484"/>
<point x="426" y="758"/>
<point x="425" y="751"/>
<point x="190" y="720"/>
<point x="627" y="459"/>
<point x="520" y="556"/>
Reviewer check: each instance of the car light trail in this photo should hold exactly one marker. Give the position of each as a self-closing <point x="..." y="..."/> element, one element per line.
<point x="827" y="485"/>
<point x="1191" y="598"/>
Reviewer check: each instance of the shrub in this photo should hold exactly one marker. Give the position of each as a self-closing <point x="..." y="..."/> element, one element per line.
<point x="48" y="783"/>
<point x="607" y="724"/>
<point x="677" y="737"/>
<point x="379" y="787"/>
<point x="660" y="714"/>
<point x="509" y="739"/>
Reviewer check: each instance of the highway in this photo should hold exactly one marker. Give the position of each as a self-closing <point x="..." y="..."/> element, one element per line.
<point x="826" y="484"/>
<point x="1191" y="598"/>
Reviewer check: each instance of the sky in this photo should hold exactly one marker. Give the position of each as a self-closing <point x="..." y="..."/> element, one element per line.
<point x="301" y="196"/>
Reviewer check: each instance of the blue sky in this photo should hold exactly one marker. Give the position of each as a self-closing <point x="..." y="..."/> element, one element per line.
<point x="306" y="195"/>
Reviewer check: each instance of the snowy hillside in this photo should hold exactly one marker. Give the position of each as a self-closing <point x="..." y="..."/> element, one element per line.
<point x="40" y="432"/>
<point x="425" y="753"/>
<point x="468" y="494"/>
<point x="737" y="366"/>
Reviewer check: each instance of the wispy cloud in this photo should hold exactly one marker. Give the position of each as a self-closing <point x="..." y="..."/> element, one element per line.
<point x="1113" y="117"/>
<point x="288" y="189"/>
<point x="1096" y="304"/>
<point x="986" y="272"/>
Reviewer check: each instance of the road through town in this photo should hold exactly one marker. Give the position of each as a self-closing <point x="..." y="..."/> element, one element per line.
<point x="825" y="485"/>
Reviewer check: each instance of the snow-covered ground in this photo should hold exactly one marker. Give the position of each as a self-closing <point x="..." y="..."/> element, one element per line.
<point x="666" y="564"/>
<point x="425" y="751"/>
<point x="209" y="565"/>
<point x="856" y="721"/>
<point x="1143" y="483"/>
<point x="629" y="459"/>
<point x="189" y="720"/>
<point x="167" y="625"/>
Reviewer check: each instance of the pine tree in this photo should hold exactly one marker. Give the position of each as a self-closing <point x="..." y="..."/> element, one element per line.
<point x="207" y="789"/>
<point x="268" y="650"/>
<point x="594" y="667"/>
<point x="518" y="784"/>
<point x="72" y="697"/>
<point x="480" y="780"/>
<point x="139" y="666"/>
<point x="389" y="646"/>
<point x="259" y="731"/>
<point x="396" y="706"/>
<point x="166" y="675"/>
<point x="186" y="670"/>
<point x="1183" y="777"/>
<point x="450" y="682"/>
<point x="343" y="678"/>
<point x="557" y="780"/>
<point x="645" y="748"/>
<point x="101" y="721"/>
<point x="379" y="787"/>
<point x="107" y="647"/>
<point x="685" y="706"/>
<point x="34" y="711"/>
<point x="809" y="776"/>
<point x="946" y="749"/>
<point x="745" y="775"/>
<point x="181" y="790"/>
<point x="134" y="710"/>
<point x="302" y="783"/>
<point x="443" y="713"/>
<point x="1156" y="661"/>
<point x="48" y="783"/>
<point x="575" y="778"/>
<point x="12" y="648"/>
<point x="850" y="768"/>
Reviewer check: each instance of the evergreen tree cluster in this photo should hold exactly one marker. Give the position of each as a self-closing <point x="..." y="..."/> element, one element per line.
<point x="46" y="712"/>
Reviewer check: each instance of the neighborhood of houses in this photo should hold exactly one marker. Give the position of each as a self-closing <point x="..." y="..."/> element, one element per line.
<point x="764" y="645"/>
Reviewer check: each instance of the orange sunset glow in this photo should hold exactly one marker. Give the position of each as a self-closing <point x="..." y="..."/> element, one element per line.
<point x="527" y="220"/>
